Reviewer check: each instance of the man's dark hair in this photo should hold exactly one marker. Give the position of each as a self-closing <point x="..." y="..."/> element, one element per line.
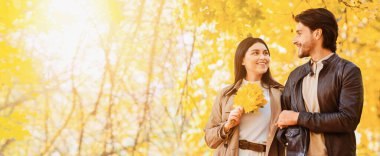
<point x="323" y="19"/>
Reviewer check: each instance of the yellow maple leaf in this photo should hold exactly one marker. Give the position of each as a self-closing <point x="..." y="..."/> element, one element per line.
<point x="250" y="97"/>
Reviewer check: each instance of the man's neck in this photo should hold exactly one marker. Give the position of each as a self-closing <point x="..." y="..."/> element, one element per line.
<point x="319" y="53"/>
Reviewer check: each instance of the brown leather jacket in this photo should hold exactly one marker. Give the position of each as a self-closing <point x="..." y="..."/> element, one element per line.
<point x="340" y="97"/>
<point x="229" y="145"/>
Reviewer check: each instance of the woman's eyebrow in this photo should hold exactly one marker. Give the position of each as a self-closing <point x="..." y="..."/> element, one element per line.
<point x="258" y="50"/>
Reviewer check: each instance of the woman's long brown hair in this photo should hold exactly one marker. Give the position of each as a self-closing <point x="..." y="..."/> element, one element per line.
<point x="240" y="71"/>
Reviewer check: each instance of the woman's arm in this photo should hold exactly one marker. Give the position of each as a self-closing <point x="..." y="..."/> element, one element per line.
<point x="214" y="126"/>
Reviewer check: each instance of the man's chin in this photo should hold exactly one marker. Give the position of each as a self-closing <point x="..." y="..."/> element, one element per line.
<point x="302" y="54"/>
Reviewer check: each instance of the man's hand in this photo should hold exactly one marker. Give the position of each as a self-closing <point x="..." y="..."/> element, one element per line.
<point x="287" y="118"/>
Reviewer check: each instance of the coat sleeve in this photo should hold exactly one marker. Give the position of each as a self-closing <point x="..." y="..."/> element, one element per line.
<point x="214" y="127"/>
<point x="286" y="96"/>
<point x="350" y="107"/>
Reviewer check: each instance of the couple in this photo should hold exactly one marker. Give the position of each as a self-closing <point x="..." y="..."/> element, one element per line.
<point x="328" y="87"/>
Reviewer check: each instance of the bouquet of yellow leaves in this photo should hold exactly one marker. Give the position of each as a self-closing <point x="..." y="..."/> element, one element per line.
<point x="250" y="97"/>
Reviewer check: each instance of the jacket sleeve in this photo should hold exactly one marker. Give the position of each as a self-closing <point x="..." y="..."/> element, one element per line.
<point x="214" y="127"/>
<point x="350" y="107"/>
<point x="286" y="96"/>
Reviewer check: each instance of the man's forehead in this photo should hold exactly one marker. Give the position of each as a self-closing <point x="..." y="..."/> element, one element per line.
<point x="300" y="26"/>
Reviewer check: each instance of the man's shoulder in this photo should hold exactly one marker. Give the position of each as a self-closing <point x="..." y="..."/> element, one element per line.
<point x="349" y="63"/>
<point x="345" y="68"/>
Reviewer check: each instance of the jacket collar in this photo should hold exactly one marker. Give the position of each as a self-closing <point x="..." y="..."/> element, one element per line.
<point x="307" y="67"/>
<point x="236" y="87"/>
<point x="331" y="59"/>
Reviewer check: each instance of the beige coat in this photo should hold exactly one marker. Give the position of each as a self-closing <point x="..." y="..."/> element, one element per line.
<point x="229" y="145"/>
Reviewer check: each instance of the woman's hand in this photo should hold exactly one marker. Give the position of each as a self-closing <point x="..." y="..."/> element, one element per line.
<point x="234" y="118"/>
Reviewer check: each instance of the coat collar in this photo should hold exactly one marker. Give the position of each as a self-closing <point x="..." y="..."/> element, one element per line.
<point x="235" y="87"/>
<point x="307" y="67"/>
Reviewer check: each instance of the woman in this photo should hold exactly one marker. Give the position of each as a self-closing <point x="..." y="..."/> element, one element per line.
<point x="250" y="133"/>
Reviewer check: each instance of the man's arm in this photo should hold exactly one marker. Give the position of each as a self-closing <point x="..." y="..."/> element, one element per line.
<point x="348" y="116"/>
<point x="350" y="107"/>
<point x="286" y="96"/>
<point x="285" y="104"/>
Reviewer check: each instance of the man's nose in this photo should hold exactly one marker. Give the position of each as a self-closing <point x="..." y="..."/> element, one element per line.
<point x="294" y="40"/>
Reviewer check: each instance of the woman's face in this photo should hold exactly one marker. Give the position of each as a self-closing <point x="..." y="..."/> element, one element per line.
<point x="256" y="59"/>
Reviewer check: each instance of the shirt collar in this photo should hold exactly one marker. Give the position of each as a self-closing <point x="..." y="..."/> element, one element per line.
<point x="320" y="61"/>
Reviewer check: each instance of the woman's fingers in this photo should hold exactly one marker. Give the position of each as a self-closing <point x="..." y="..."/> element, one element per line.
<point x="237" y="120"/>
<point x="234" y="114"/>
<point x="237" y="114"/>
<point x="241" y="110"/>
<point x="233" y="117"/>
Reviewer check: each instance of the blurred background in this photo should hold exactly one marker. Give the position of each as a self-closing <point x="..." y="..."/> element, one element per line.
<point x="138" y="77"/>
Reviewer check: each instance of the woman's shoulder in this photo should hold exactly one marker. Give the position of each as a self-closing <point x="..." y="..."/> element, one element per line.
<point x="225" y="89"/>
<point x="276" y="95"/>
<point x="277" y="90"/>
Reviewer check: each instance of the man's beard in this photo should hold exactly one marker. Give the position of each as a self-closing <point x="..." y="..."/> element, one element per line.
<point x="303" y="53"/>
<point x="305" y="50"/>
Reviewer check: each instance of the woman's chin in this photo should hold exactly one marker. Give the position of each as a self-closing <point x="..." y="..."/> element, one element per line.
<point x="261" y="71"/>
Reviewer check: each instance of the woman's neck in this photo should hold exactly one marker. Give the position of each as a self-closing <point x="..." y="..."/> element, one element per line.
<point x="253" y="77"/>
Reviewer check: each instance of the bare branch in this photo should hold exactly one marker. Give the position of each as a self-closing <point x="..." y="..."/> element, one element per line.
<point x="348" y="5"/>
<point x="150" y="74"/>
<point x="5" y="145"/>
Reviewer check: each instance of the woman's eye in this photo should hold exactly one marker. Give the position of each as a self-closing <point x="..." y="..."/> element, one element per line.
<point x="266" y="53"/>
<point x="255" y="53"/>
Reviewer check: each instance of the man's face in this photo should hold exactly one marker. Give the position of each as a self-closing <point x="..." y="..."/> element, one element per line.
<point x="304" y="40"/>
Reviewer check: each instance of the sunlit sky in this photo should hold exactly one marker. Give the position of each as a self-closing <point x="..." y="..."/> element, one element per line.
<point x="70" y="29"/>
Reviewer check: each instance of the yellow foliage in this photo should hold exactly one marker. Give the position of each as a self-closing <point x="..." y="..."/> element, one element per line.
<point x="250" y="97"/>
<point x="14" y="67"/>
<point x="10" y="10"/>
<point x="12" y="126"/>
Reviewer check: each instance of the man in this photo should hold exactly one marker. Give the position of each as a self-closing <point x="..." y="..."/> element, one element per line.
<point x="329" y="87"/>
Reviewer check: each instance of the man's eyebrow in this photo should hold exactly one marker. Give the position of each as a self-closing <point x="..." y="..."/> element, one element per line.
<point x="298" y="31"/>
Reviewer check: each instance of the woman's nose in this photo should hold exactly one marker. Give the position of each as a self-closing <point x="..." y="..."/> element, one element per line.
<point x="262" y="56"/>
